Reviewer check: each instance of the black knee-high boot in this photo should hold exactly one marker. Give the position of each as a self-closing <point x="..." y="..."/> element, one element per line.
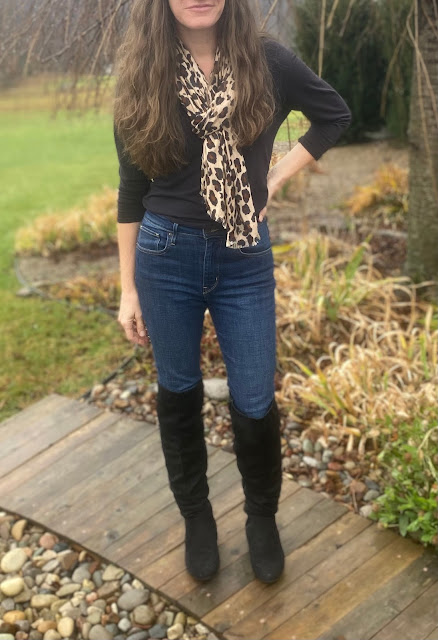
<point x="185" y="453"/>
<point x="257" y="445"/>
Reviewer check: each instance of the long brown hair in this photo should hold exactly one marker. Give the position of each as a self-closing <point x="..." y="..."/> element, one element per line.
<point x="146" y="107"/>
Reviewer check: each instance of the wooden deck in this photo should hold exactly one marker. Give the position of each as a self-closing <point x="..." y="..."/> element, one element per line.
<point x="99" y="478"/>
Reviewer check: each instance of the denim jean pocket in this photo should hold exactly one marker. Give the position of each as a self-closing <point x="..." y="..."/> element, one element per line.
<point x="152" y="239"/>
<point x="264" y="244"/>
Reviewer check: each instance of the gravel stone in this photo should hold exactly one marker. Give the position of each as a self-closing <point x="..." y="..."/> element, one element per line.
<point x="366" y="510"/>
<point x="216" y="389"/>
<point x="140" y="635"/>
<point x="112" y="573"/>
<point x="81" y="573"/>
<point x="41" y="600"/>
<point x="308" y="446"/>
<point x="144" y="614"/>
<point x="66" y="627"/>
<point x="158" y="631"/>
<point x="8" y="604"/>
<point x="371" y="484"/>
<point x="132" y="598"/>
<point x="68" y="589"/>
<point x="12" y="586"/>
<point x="311" y="462"/>
<point x="13" y="560"/>
<point x="124" y="624"/>
<point x="175" y="632"/>
<point x="98" y="632"/>
<point x="371" y="494"/>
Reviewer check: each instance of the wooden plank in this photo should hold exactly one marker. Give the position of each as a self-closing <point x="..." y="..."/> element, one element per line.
<point x="25" y="444"/>
<point x="87" y="458"/>
<point x="171" y="568"/>
<point x="166" y="529"/>
<point x="416" y="621"/>
<point x="256" y="594"/>
<point x="30" y="416"/>
<point x="387" y="602"/>
<point x="350" y="589"/>
<point x="111" y="522"/>
<point x="301" y="587"/>
<point x="22" y="474"/>
<point x="133" y="488"/>
<point x="153" y="515"/>
<point x="237" y="575"/>
<point x="135" y="466"/>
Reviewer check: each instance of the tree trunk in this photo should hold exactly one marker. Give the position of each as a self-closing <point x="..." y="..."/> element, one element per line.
<point x="422" y="256"/>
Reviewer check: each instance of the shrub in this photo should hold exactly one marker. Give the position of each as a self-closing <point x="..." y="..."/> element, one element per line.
<point x="410" y="460"/>
<point x="383" y="202"/>
<point x="93" y="225"/>
<point x="359" y="44"/>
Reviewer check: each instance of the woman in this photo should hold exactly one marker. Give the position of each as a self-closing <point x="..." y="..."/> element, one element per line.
<point x="200" y="97"/>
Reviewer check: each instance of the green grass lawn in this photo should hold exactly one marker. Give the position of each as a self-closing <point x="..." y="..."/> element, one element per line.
<point x="49" y="164"/>
<point x="45" y="165"/>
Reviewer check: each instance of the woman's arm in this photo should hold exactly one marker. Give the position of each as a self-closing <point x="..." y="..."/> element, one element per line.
<point x="130" y="316"/>
<point x="132" y="188"/>
<point x="289" y="165"/>
<point x="301" y="89"/>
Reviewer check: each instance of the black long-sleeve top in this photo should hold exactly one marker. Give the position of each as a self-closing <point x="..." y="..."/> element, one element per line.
<point x="177" y="195"/>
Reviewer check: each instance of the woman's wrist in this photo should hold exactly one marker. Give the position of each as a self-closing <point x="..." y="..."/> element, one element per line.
<point x="129" y="290"/>
<point x="290" y="164"/>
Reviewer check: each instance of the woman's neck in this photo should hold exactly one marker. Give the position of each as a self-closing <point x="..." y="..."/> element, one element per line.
<point x="201" y="43"/>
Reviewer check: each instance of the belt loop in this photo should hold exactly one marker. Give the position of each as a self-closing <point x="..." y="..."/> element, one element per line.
<point x="174" y="232"/>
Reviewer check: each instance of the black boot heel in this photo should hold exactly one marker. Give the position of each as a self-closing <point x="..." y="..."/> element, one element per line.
<point x="265" y="550"/>
<point x="202" y="554"/>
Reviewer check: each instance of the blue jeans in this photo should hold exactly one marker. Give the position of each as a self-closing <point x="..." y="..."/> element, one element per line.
<point x="180" y="271"/>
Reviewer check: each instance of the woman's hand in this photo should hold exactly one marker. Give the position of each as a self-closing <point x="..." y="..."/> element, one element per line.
<point x="294" y="160"/>
<point x="272" y="189"/>
<point x="131" y="319"/>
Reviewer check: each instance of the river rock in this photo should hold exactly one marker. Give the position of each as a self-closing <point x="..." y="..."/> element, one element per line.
<point x="12" y="586"/>
<point x="66" y="627"/>
<point x="112" y="573"/>
<point x="41" y="600"/>
<point x="175" y="632"/>
<point x="132" y="598"/>
<point x="81" y="573"/>
<point x="67" y="589"/>
<point x="52" y="634"/>
<point x="216" y="388"/>
<point x="98" y="632"/>
<point x="11" y="617"/>
<point x="18" y="529"/>
<point x="48" y="540"/>
<point x="144" y="614"/>
<point x="13" y="560"/>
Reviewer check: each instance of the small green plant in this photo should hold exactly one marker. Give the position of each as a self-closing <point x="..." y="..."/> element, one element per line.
<point x="345" y="291"/>
<point x="409" y="502"/>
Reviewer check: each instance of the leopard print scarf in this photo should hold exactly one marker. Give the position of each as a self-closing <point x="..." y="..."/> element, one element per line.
<point x="224" y="181"/>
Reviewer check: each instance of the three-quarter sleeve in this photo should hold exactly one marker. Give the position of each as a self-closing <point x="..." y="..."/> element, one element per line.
<point x="133" y="186"/>
<point x="303" y="90"/>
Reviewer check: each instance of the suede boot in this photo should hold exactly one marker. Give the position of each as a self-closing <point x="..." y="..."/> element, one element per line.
<point x="257" y="445"/>
<point x="185" y="453"/>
